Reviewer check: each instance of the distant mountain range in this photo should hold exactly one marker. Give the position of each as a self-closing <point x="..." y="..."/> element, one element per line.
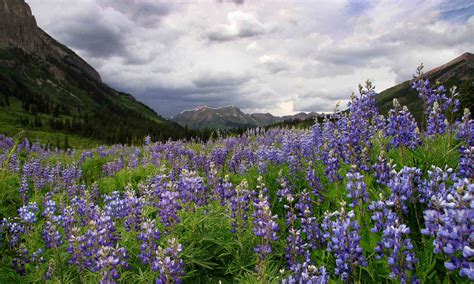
<point x="231" y="117"/>
<point x="459" y="72"/>
<point x="46" y="88"/>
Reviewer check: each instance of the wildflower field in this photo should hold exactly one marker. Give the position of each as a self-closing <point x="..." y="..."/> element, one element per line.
<point x="360" y="198"/>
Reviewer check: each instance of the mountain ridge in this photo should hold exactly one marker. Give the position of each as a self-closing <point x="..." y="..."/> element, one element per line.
<point x="228" y="117"/>
<point x="458" y="71"/>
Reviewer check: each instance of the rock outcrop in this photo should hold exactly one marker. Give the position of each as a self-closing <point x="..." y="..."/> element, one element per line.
<point x="18" y="28"/>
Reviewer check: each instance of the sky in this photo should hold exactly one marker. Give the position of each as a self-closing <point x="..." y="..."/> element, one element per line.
<point x="281" y="57"/>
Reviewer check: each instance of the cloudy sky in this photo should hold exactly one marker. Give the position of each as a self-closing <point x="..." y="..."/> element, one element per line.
<point x="276" y="56"/>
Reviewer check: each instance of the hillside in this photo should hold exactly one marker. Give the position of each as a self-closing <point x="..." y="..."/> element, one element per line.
<point x="459" y="72"/>
<point x="230" y="117"/>
<point x="47" y="89"/>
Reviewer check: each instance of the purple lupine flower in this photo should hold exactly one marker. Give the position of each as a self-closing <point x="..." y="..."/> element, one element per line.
<point x="110" y="260"/>
<point x="114" y="205"/>
<point x="265" y="225"/>
<point x="49" y="209"/>
<point x="213" y="181"/>
<point x="295" y="246"/>
<point x="395" y="243"/>
<point x="401" y="257"/>
<point x="147" y="140"/>
<point x="69" y="220"/>
<point x="12" y="231"/>
<point x="169" y="263"/>
<point x="401" y="127"/>
<point x="21" y="260"/>
<point x="466" y="128"/>
<point x="356" y="187"/>
<point x="316" y="135"/>
<point x="435" y="184"/>
<point x="382" y="169"/>
<point x="285" y="195"/>
<point x="437" y="122"/>
<point x="168" y="206"/>
<point x="24" y="189"/>
<point x="37" y="256"/>
<point x="191" y="186"/>
<point x="332" y="166"/>
<point x="27" y="213"/>
<point x="133" y="208"/>
<point x="77" y="248"/>
<point x="451" y="223"/>
<point x="382" y="215"/>
<point x="51" y="236"/>
<point x="239" y="206"/>
<point x="113" y="167"/>
<point x="309" y="225"/>
<point x="466" y="162"/>
<point x="225" y="190"/>
<point x="309" y="274"/>
<point x="314" y="182"/>
<point x="341" y="231"/>
<point x="84" y="248"/>
<point x="148" y="237"/>
<point x="402" y="185"/>
<point x="133" y="159"/>
<point x="425" y="93"/>
<point x="295" y="250"/>
<point x="14" y="164"/>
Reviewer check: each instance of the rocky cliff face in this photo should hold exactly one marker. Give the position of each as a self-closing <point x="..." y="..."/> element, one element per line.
<point x="18" y="26"/>
<point x="18" y="29"/>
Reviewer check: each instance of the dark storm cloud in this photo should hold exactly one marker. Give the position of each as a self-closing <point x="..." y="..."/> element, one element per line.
<point x="145" y="13"/>
<point x="87" y="32"/>
<point x="169" y="101"/>
<point x="355" y="55"/>
<point x="208" y="80"/>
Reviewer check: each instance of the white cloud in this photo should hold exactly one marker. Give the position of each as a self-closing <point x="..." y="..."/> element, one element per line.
<point x="240" y="25"/>
<point x="274" y="63"/>
<point x="257" y="55"/>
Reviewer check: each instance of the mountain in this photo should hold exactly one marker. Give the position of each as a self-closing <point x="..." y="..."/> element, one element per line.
<point x="459" y="72"/>
<point x="264" y="119"/>
<point x="229" y="117"/>
<point x="206" y="117"/>
<point x="48" y="89"/>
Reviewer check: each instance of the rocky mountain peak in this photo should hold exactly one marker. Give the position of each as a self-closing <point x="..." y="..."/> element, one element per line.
<point x="18" y="29"/>
<point x="18" y="26"/>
